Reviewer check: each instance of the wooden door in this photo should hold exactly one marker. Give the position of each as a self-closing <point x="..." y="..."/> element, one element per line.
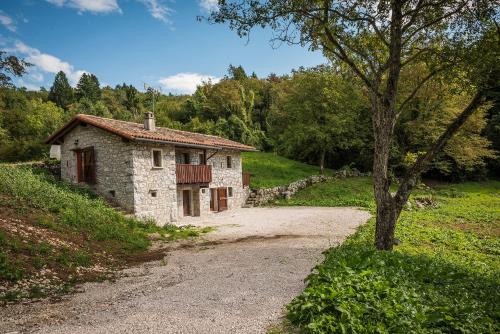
<point x="89" y="165"/>
<point x="222" y="196"/>
<point x="79" y="166"/>
<point x="186" y="202"/>
<point x="213" y="200"/>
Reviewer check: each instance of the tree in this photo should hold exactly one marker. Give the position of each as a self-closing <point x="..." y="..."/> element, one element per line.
<point x="88" y="87"/>
<point x="61" y="93"/>
<point x="237" y="73"/>
<point x="11" y="65"/>
<point x="377" y="40"/>
<point x="316" y="113"/>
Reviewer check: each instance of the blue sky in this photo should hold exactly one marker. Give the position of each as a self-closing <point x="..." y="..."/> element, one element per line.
<point x="158" y="42"/>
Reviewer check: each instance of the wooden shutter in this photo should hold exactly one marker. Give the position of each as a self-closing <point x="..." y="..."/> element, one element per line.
<point x="222" y="195"/>
<point x="79" y="166"/>
<point x="89" y="165"/>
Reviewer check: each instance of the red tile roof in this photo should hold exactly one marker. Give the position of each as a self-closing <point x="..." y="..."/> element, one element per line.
<point x="136" y="132"/>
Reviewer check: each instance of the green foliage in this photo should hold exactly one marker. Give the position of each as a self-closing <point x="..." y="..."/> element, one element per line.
<point x="316" y="113"/>
<point x="270" y="170"/>
<point x="88" y="88"/>
<point x="442" y="278"/>
<point x="427" y="116"/>
<point x="11" y="66"/>
<point x="25" y="124"/>
<point x="61" y="93"/>
<point x="73" y="208"/>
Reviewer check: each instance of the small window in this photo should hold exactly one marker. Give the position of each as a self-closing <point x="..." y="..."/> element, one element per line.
<point x="202" y="159"/>
<point x="112" y="193"/>
<point x="153" y="193"/>
<point x="185" y="158"/>
<point x="157" y="160"/>
<point x="229" y="162"/>
<point x="230" y="191"/>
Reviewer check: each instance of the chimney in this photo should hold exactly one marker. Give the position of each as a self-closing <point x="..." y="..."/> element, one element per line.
<point x="149" y="121"/>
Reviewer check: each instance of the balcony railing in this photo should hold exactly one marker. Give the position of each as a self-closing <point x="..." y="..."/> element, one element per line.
<point x="193" y="173"/>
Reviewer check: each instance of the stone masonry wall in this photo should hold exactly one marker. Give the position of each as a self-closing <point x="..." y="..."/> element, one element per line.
<point x="228" y="177"/>
<point x="113" y="163"/>
<point x="149" y="180"/>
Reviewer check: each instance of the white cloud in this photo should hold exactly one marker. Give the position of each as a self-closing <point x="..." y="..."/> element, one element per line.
<point x="7" y="21"/>
<point x="209" y="5"/>
<point x="93" y="6"/>
<point x="47" y="63"/>
<point x="36" y="76"/>
<point x="186" y="83"/>
<point x="158" y="10"/>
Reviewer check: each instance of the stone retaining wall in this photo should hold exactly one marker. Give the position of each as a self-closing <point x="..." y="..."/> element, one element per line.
<point x="266" y="195"/>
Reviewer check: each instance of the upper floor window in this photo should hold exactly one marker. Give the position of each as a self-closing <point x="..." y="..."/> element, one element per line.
<point x="202" y="159"/>
<point x="185" y="158"/>
<point x="157" y="160"/>
<point x="229" y="162"/>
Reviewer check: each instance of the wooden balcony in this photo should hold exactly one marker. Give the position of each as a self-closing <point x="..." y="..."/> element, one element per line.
<point x="186" y="174"/>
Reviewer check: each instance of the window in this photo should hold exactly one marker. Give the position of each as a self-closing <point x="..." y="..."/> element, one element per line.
<point x="112" y="193"/>
<point x="229" y="162"/>
<point x="202" y="159"/>
<point x="230" y="191"/>
<point x="185" y="158"/>
<point x="153" y="193"/>
<point x="157" y="160"/>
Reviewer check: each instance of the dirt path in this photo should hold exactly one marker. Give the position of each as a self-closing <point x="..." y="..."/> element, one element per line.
<point x="235" y="281"/>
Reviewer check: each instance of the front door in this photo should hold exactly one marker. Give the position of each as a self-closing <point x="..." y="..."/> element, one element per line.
<point x="213" y="200"/>
<point x="222" y="196"/>
<point x="186" y="202"/>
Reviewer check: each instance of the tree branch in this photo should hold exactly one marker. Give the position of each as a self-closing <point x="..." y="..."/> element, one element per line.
<point x="415" y="91"/>
<point x="422" y="162"/>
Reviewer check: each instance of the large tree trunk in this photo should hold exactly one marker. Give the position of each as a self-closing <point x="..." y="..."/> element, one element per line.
<point x="387" y="213"/>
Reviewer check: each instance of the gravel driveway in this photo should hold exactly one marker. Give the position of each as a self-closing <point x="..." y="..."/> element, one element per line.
<point x="236" y="280"/>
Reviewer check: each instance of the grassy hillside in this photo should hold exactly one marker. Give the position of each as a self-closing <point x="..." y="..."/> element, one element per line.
<point x="53" y="234"/>
<point x="270" y="170"/>
<point x="442" y="278"/>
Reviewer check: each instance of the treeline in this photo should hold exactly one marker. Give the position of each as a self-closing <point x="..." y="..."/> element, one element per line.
<point x="319" y="115"/>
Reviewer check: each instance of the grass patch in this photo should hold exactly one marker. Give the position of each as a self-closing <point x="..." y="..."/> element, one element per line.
<point x="443" y="278"/>
<point x="270" y="170"/>
<point x="355" y="191"/>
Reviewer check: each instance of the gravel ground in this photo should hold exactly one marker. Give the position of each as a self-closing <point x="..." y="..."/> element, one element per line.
<point x="236" y="280"/>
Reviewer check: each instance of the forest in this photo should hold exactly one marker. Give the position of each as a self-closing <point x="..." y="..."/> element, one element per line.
<point x="318" y="115"/>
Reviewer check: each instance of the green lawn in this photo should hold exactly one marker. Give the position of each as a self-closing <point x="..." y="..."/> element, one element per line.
<point x="443" y="278"/>
<point x="270" y="170"/>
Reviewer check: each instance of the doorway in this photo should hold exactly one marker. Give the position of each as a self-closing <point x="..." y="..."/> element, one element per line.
<point x="222" y="196"/>
<point x="186" y="202"/>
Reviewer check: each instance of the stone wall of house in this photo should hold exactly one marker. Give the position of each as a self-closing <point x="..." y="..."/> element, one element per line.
<point x="113" y="158"/>
<point x="155" y="189"/>
<point x="222" y="176"/>
<point x="266" y="195"/>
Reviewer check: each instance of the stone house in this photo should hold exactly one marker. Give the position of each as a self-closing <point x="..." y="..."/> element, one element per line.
<point x="153" y="172"/>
